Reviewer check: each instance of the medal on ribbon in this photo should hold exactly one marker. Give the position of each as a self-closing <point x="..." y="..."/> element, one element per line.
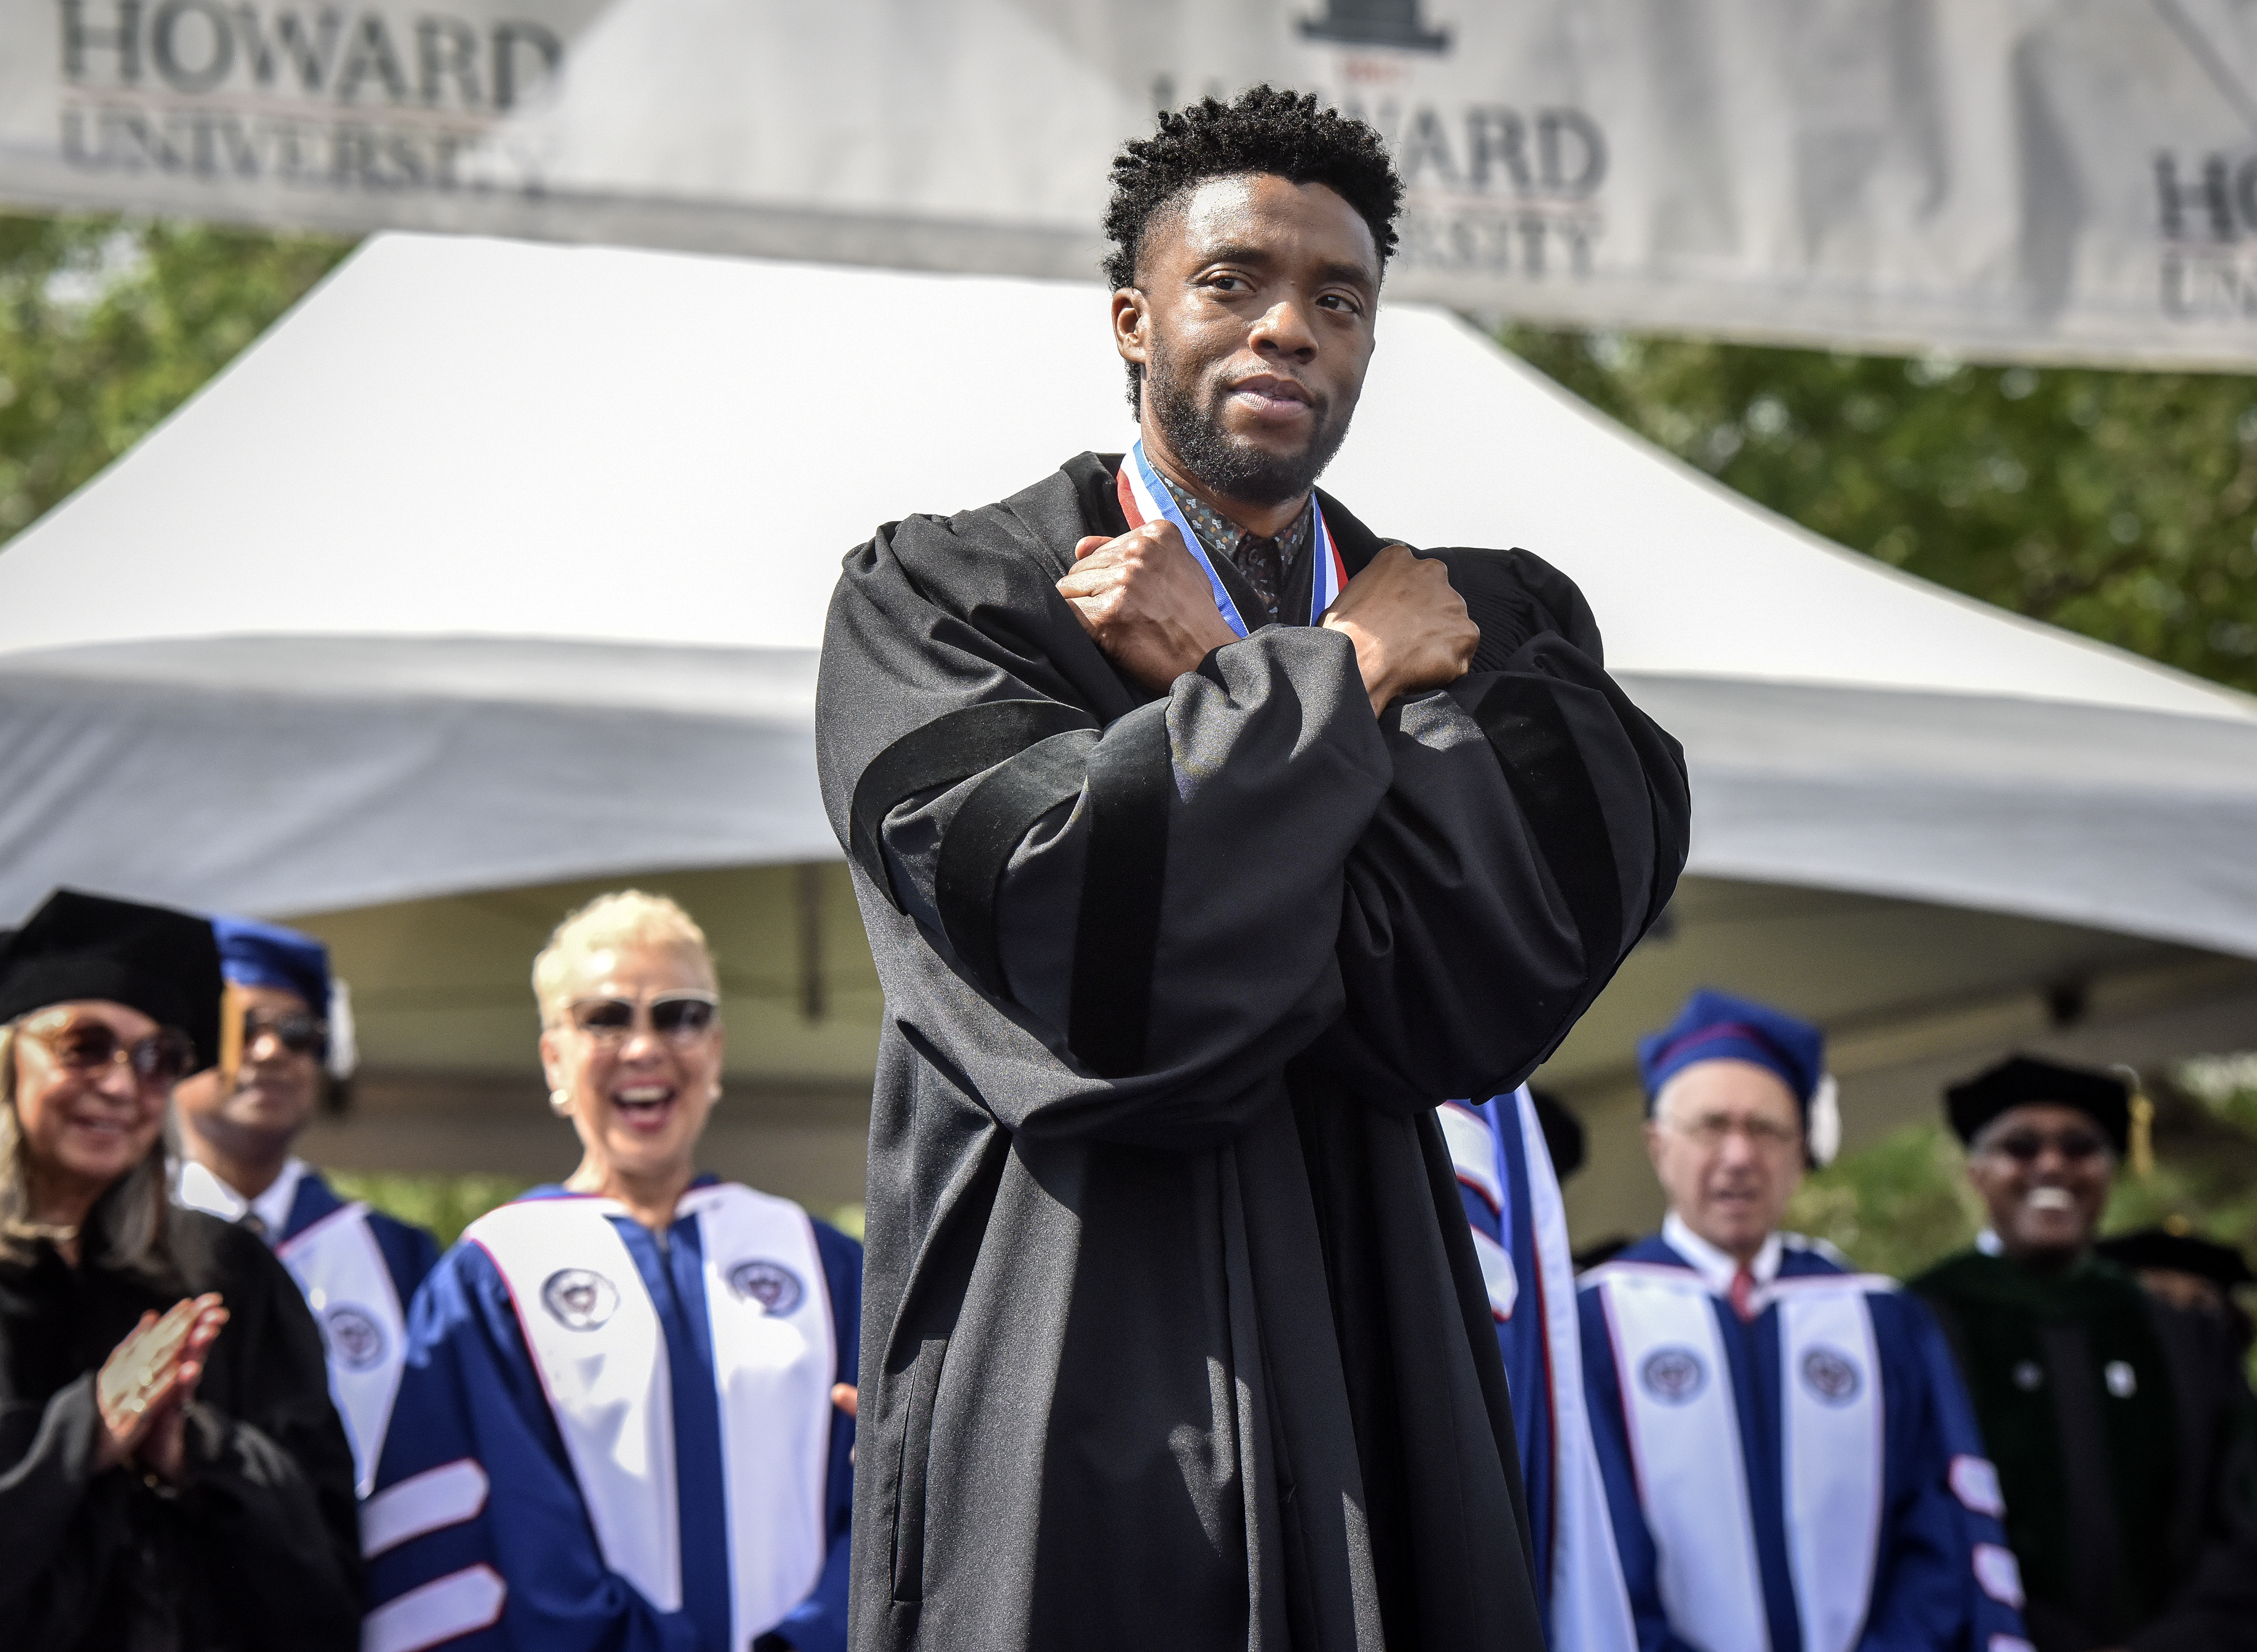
<point x="1144" y="498"/>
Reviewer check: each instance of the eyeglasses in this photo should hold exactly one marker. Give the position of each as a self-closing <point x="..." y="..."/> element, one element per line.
<point x="680" y="1018"/>
<point x="2027" y="1147"/>
<point x="164" y="1057"/>
<point x="296" y="1031"/>
<point x="1710" y="1129"/>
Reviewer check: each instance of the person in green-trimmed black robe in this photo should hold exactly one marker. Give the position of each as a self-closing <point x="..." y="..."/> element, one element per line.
<point x="2124" y="1432"/>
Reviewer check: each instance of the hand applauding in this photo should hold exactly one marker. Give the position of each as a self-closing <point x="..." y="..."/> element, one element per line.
<point x="143" y="1388"/>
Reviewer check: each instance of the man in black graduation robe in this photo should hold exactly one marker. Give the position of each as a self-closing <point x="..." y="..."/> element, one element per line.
<point x="1173" y="1335"/>
<point x="2123" y="1427"/>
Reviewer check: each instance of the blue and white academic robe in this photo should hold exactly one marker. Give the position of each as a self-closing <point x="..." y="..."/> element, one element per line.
<point x="606" y="1440"/>
<point x="1808" y="1481"/>
<point x="359" y="1269"/>
<point x="1511" y="1197"/>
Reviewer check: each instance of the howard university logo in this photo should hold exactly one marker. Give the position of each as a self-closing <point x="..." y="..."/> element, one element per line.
<point x="775" y="1287"/>
<point x="1394" y="23"/>
<point x="1673" y="1375"/>
<point x="356" y="1340"/>
<point x="1831" y="1375"/>
<point x="579" y="1298"/>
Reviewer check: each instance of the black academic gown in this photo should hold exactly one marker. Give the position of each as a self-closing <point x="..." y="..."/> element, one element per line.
<point x="257" y="1550"/>
<point x="2126" y="1438"/>
<point x="1173" y="1334"/>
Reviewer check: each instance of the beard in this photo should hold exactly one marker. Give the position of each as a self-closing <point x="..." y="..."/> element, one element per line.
<point x="1190" y="415"/>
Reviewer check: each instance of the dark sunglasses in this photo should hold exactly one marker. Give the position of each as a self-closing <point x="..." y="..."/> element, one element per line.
<point x="2027" y="1147"/>
<point x="678" y="1016"/>
<point x="165" y="1057"/>
<point x="297" y="1032"/>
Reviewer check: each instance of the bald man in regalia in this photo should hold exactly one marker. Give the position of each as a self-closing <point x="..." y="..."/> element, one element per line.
<point x="1790" y="1458"/>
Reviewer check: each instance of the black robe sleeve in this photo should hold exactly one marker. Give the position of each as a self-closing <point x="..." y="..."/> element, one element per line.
<point x="268" y="1491"/>
<point x="1147" y="906"/>
<point x="46" y="1475"/>
<point x="2214" y="1606"/>
<point x="1533" y="829"/>
<point x="257" y="1548"/>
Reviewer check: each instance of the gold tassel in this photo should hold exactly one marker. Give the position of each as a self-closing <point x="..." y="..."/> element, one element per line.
<point x="2143" y="1136"/>
<point x="233" y="1005"/>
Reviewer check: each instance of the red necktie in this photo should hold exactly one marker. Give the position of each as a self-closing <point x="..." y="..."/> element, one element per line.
<point x="1743" y="1294"/>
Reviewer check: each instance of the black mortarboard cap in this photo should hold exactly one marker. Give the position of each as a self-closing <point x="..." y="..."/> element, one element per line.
<point x="2022" y="1080"/>
<point x="163" y="963"/>
<point x="2160" y="1248"/>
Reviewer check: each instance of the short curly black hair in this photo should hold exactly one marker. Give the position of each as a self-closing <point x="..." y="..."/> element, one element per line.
<point x="1265" y="131"/>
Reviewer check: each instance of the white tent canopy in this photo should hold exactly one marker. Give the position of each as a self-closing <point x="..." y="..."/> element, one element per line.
<point x="497" y="563"/>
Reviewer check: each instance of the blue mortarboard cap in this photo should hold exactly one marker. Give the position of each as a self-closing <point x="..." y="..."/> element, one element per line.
<point x="255" y="954"/>
<point x="1715" y="1026"/>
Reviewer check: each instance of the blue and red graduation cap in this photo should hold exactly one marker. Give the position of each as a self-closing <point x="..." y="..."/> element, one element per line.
<point x="1716" y="1026"/>
<point x="255" y="954"/>
<point x="153" y="959"/>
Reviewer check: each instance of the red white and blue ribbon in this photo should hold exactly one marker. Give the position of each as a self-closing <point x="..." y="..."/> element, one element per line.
<point x="1144" y="498"/>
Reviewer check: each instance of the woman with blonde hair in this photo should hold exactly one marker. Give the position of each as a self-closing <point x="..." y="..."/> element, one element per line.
<point x="615" y="1427"/>
<point x="171" y="1474"/>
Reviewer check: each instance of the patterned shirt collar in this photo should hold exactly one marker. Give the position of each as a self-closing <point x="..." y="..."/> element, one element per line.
<point x="1267" y="564"/>
<point x="200" y="1190"/>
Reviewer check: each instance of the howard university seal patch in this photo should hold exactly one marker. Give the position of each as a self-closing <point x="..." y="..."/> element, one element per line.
<point x="775" y="1287"/>
<point x="356" y="1340"/>
<point x="1831" y="1375"/>
<point x="578" y="1298"/>
<point x="1673" y="1375"/>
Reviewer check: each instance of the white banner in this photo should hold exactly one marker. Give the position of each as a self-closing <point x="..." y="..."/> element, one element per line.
<point x="2056" y="178"/>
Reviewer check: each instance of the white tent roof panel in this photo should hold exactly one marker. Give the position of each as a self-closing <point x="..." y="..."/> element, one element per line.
<point x="497" y="562"/>
<point x="502" y="439"/>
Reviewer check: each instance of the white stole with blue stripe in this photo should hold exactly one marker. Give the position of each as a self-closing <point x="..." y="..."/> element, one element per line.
<point x="601" y="1353"/>
<point x="1474" y="1155"/>
<point x="1691" y="1467"/>
<point x="340" y="1268"/>
<point x="1590" y="1606"/>
<point x="1590" y="1609"/>
<point x="1832" y="1450"/>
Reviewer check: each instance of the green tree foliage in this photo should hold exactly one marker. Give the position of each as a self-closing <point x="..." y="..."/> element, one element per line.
<point x="2205" y="1174"/>
<point x="1894" y="1207"/>
<point x="2120" y="505"/>
<point x="446" y="1204"/>
<point x="107" y="325"/>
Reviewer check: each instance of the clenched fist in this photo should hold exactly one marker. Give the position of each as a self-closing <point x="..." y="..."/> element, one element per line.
<point x="1147" y="602"/>
<point x="1409" y="627"/>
